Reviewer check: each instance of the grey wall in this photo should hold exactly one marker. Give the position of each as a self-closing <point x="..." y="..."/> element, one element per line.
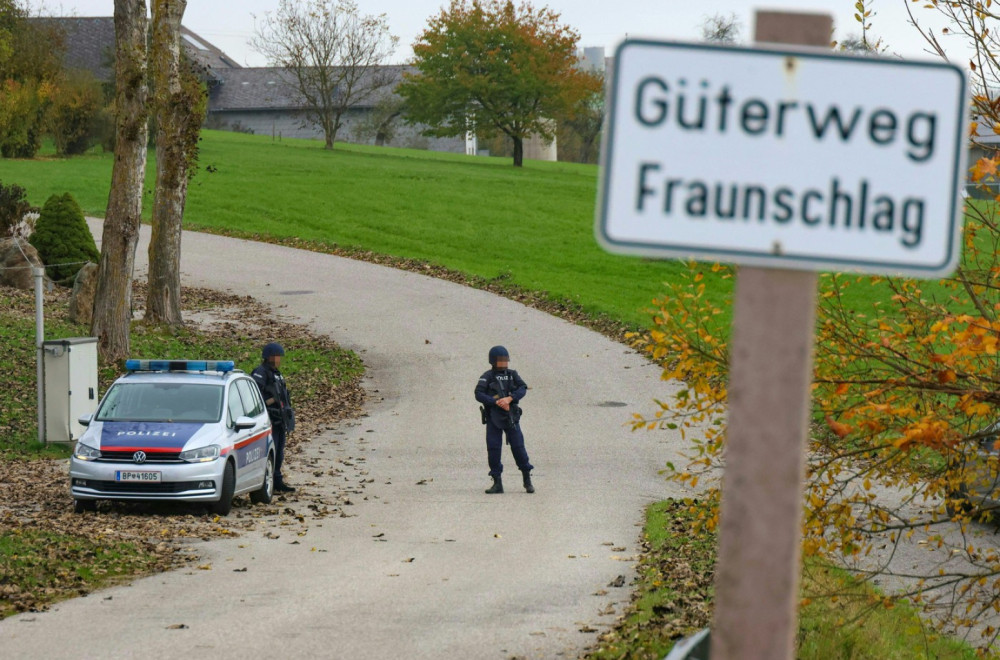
<point x="292" y="124"/>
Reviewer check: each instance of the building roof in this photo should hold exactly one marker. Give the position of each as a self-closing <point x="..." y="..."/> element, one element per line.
<point x="90" y="45"/>
<point x="206" y="54"/>
<point x="255" y="88"/>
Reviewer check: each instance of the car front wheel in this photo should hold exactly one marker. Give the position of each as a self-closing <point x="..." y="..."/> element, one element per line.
<point x="263" y="494"/>
<point x="225" y="503"/>
<point x="79" y="506"/>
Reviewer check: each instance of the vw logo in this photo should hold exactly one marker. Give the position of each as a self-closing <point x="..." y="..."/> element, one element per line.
<point x="139" y="456"/>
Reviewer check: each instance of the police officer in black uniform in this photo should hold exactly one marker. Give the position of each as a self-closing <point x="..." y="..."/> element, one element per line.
<point x="499" y="390"/>
<point x="279" y="406"/>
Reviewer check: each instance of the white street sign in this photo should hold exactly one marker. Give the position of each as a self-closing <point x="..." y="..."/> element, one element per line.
<point x="784" y="158"/>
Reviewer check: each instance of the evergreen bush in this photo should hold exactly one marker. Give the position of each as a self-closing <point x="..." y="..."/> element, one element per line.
<point x="63" y="237"/>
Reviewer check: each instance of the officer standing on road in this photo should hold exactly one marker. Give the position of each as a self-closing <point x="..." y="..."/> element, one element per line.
<point x="279" y="406"/>
<point x="499" y="390"/>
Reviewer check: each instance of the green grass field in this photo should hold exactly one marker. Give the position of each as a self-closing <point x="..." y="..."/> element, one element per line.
<point x="532" y="227"/>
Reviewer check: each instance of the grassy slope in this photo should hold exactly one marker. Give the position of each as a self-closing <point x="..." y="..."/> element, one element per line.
<point x="478" y="215"/>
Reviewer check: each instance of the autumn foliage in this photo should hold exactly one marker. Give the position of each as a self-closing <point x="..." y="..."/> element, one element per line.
<point x="906" y="388"/>
<point x="496" y="68"/>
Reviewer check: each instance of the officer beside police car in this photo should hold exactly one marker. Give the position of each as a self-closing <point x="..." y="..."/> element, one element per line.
<point x="272" y="386"/>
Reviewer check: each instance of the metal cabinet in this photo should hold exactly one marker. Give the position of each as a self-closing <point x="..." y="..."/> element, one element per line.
<point x="70" y="386"/>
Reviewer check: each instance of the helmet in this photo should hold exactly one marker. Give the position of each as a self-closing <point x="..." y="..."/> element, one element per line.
<point x="272" y="349"/>
<point x="498" y="352"/>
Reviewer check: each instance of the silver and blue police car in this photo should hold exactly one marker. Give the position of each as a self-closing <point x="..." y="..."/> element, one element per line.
<point x="180" y="430"/>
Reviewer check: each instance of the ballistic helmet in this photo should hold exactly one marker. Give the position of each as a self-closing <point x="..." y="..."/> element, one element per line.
<point x="498" y="352"/>
<point x="272" y="349"/>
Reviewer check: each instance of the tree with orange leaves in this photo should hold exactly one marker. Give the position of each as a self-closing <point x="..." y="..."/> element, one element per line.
<point x="495" y="68"/>
<point x="906" y="397"/>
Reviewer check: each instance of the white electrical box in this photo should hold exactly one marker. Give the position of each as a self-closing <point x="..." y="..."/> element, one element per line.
<point x="70" y="386"/>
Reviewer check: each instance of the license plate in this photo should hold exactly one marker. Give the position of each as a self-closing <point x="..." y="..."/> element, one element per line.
<point x="129" y="475"/>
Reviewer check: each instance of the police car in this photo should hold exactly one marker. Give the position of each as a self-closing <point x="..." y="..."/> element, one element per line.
<point x="181" y="430"/>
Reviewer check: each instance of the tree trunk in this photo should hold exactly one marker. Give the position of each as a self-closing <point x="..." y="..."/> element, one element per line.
<point x="329" y="132"/>
<point x="113" y="300"/>
<point x="518" y="151"/>
<point x="163" y="298"/>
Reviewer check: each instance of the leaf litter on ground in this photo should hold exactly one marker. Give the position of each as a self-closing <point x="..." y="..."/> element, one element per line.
<point x="48" y="553"/>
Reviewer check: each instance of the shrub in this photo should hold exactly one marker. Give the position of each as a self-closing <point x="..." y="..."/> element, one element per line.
<point x="72" y="117"/>
<point x="104" y="129"/>
<point x="22" y="107"/>
<point x="62" y="237"/>
<point x="13" y="207"/>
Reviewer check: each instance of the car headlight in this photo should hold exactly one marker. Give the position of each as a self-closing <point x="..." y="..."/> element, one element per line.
<point x="86" y="452"/>
<point x="200" y="455"/>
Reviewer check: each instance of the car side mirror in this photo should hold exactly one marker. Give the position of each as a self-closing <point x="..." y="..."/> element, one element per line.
<point x="86" y="419"/>
<point x="244" y="422"/>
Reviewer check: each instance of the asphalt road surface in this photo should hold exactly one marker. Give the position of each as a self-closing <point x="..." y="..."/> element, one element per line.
<point x="428" y="566"/>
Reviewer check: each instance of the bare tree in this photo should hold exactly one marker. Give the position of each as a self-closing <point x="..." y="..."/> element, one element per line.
<point x="334" y="56"/>
<point x="721" y="29"/>
<point x="178" y="119"/>
<point x="113" y="302"/>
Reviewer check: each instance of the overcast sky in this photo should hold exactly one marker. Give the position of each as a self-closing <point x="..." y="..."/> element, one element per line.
<point x="229" y="24"/>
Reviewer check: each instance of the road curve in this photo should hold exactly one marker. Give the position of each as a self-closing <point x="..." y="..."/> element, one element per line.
<point x="453" y="573"/>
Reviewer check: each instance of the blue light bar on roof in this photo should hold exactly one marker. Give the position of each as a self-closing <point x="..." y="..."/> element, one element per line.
<point x="180" y="365"/>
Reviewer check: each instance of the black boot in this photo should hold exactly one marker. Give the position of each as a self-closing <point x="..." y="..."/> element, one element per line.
<point x="527" y="482"/>
<point x="497" y="486"/>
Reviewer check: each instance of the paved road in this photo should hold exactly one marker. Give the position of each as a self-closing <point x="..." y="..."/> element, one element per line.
<point x="457" y="574"/>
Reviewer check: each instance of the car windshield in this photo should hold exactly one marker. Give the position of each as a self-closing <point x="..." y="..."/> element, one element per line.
<point x="162" y="402"/>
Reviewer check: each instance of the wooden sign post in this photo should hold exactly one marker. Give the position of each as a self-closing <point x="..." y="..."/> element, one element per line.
<point x="761" y="521"/>
<point x="770" y="377"/>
